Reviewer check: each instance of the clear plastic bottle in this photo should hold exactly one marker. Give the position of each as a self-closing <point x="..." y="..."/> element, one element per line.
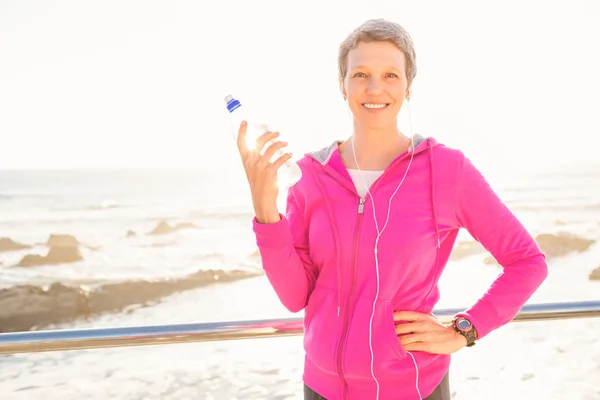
<point x="290" y="173"/>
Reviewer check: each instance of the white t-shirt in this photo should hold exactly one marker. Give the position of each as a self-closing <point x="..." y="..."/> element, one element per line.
<point x="360" y="178"/>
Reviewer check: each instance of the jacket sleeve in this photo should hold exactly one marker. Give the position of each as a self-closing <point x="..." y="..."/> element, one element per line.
<point x="284" y="251"/>
<point x="491" y="223"/>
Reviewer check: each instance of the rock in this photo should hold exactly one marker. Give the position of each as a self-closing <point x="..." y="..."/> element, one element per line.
<point x="595" y="274"/>
<point x="31" y="260"/>
<point x="130" y="233"/>
<point x="27" y="307"/>
<point x="490" y="260"/>
<point x="527" y="376"/>
<point x="554" y="245"/>
<point x="56" y="255"/>
<point x="63" y="249"/>
<point x="164" y="227"/>
<point x="62" y="241"/>
<point x="59" y="255"/>
<point x="7" y="244"/>
<point x="186" y="225"/>
<point x="466" y="249"/>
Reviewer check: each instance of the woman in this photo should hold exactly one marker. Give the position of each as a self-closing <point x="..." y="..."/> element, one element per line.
<point x="368" y="231"/>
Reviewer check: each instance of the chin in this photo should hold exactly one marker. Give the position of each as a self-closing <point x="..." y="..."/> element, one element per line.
<point x="373" y="124"/>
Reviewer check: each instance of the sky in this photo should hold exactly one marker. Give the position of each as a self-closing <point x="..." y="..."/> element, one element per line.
<point x="140" y="84"/>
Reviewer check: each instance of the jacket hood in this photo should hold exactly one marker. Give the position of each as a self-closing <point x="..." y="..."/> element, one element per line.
<point x="324" y="155"/>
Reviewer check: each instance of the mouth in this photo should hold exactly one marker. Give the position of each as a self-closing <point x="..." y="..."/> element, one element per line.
<point x="375" y="106"/>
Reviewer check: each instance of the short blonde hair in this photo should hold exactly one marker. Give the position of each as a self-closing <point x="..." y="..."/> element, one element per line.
<point x="379" y="30"/>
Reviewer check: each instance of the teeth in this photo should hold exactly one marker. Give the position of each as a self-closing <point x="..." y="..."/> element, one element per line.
<point x="374" y="105"/>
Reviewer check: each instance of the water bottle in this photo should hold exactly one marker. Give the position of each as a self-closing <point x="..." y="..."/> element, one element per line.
<point x="290" y="172"/>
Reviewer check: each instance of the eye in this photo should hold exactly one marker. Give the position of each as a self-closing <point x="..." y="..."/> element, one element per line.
<point x="391" y="75"/>
<point x="359" y="75"/>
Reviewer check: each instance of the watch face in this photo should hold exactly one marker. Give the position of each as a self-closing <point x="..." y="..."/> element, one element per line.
<point x="464" y="324"/>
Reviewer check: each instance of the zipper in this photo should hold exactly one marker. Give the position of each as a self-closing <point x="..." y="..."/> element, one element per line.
<point x="361" y="205"/>
<point x="360" y="211"/>
<point x="342" y="342"/>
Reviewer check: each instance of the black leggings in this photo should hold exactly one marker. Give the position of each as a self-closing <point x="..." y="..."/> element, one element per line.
<point x="441" y="392"/>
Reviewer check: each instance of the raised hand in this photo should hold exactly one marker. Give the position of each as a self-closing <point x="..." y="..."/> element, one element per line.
<point x="262" y="173"/>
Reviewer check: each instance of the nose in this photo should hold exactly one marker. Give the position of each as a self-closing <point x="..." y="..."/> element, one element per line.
<point x="375" y="86"/>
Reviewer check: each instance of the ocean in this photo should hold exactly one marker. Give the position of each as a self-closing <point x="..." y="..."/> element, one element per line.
<point x="208" y="269"/>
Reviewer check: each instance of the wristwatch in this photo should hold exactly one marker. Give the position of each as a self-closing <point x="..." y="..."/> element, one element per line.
<point x="465" y="328"/>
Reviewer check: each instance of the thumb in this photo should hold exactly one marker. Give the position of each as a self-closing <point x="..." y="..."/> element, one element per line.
<point x="241" y="140"/>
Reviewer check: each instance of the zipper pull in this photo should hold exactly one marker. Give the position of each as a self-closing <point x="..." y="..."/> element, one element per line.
<point x="361" y="205"/>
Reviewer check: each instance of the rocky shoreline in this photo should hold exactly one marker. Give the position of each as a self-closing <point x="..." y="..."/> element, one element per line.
<point x="27" y="307"/>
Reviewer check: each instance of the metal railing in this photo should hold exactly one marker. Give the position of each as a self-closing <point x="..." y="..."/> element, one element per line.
<point x="78" y="339"/>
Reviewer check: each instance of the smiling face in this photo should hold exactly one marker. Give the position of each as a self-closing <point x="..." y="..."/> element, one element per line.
<point x="375" y="85"/>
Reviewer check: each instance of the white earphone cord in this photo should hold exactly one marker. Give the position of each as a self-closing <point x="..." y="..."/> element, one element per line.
<point x="379" y="233"/>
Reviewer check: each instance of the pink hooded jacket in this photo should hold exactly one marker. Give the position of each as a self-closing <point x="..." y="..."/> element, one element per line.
<point x="320" y="256"/>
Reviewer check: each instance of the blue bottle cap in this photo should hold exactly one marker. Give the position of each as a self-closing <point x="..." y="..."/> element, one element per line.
<point x="232" y="104"/>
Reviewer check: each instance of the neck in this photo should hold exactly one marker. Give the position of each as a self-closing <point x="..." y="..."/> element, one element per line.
<point x="375" y="149"/>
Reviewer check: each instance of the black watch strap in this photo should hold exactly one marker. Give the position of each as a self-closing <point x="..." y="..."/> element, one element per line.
<point x="463" y="326"/>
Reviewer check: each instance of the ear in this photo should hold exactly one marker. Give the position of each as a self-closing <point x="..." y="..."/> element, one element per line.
<point x="342" y="88"/>
<point x="407" y="95"/>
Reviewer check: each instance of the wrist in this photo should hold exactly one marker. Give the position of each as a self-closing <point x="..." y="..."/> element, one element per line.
<point x="268" y="216"/>
<point x="465" y="328"/>
<point x="461" y="339"/>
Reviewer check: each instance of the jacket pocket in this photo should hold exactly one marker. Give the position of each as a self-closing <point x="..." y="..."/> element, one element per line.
<point x="321" y="328"/>
<point x="391" y="328"/>
<point x="382" y="345"/>
<point x="314" y="303"/>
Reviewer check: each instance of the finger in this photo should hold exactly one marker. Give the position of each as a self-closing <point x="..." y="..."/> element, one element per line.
<point x="272" y="149"/>
<point x="410" y="316"/>
<point x="411" y="327"/>
<point x="265" y="138"/>
<point x="280" y="161"/>
<point x="241" y="140"/>
<point x="418" y="346"/>
<point x="415" y="337"/>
